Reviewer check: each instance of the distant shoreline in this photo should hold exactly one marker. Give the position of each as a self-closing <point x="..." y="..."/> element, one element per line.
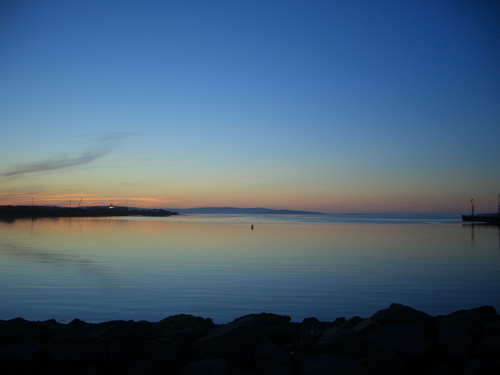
<point x="240" y="211"/>
<point x="96" y="211"/>
<point x="109" y="211"/>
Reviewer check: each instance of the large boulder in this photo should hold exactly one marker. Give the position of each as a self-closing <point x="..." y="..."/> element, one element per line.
<point x="18" y="330"/>
<point x="491" y="328"/>
<point x="327" y="364"/>
<point x="151" y="357"/>
<point x="399" y="314"/>
<point x="438" y="368"/>
<point x="185" y="328"/>
<point x="270" y="359"/>
<point x="205" y="367"/>
<point x="365" y="326"/>
<point x="130" y="330"/>
<point x="20" y="358"/>
<point x="456" y="331"/>
<point x="382" y="361"/>
<point x="338" y="341"/>
<point x="183" y="321"/>
<point x="408" y="341"/>
<point x="74" y="349"/>
<point x="237" y="340"/>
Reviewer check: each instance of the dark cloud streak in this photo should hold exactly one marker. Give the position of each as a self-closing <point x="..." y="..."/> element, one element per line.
<point x="55" y="163"/>
<point x="102" y="146"/>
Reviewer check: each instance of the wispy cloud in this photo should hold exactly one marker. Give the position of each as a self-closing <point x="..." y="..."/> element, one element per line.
<point x="105" y="144"/>
<point x="54" y="163"/>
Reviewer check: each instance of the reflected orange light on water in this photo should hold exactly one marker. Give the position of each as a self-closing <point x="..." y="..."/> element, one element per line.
<point x="147" y="268"/>
<point x="178" y="234"/>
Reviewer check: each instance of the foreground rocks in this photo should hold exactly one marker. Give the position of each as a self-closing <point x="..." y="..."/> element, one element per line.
<point x="396" y="340"/>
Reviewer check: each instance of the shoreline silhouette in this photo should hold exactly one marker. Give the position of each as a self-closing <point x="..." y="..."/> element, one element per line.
<point x="94" y="211"/>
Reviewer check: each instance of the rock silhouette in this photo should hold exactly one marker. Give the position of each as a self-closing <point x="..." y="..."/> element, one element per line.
<point x="396" y="340"/>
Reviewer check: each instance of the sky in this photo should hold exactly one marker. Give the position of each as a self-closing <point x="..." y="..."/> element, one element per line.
<point x="330" y="106"/>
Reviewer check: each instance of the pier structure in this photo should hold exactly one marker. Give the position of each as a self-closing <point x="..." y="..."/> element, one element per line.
<point x="483" y="218"/>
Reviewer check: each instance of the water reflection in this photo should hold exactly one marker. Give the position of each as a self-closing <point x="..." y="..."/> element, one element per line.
<point x="29" y="254"/>
<point x="481" y="226"/>
<point x="147" y="268"/>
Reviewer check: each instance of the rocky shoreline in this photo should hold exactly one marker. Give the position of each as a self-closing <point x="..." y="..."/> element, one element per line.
<point x="396" y="340"/>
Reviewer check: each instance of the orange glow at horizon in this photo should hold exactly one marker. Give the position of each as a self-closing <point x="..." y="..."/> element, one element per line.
<point x="340" y="201"/>
<point x="23" y="199"/>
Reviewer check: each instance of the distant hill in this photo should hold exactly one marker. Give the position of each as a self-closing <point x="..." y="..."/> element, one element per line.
<point x="239" y="211"/>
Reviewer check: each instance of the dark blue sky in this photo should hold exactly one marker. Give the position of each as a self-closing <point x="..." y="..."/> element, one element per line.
<point x="327" y="105"/>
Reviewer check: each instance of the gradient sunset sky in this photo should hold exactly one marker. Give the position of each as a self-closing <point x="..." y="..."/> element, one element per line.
<point x="331" y="106"/>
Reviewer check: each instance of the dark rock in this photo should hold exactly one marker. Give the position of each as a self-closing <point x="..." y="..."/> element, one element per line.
<point x="479" y="366"/>
<point x="50" y="329"/>
<point x="75" y="348"/>
<point x="17" y="331"/>
<point x="489" y="349"/>
<point x="271" y="319"/>
<point x="338" y="341"/>
<point x="351" y="323"/>
<point x="269" y="359"/>
<point x="491" y="328"/>
<point x="153" y="356"/>
<point x="117" y="330"/>
<point x="395" y="340"/>
<point x="57" y="369"/>
<point x="483" y="313"/>
<point x="276" y="327"/>
<point x="327" y="364"/>
<point x="489" y="346"/>
<point x="188" y="335"/>
<point x="311" y="322"/>
<point x="338" y="322"/>
<point x="382" y="361"/>
<point x="183" y="321"/>
<point x="437" y="368"/>
<point x="77" y="324"/>
<point x="454" y="339"/>
<point x="19" y="358"/>
<point x="311" y="327"/>
<point x="89" y="369"/>
<point x="205" y="367"/>
<point x="236" y="341"/>
<point x="455" y="331"/>
<point x="130" y="330"/>
<point x="364" y="326"/>
<point x="399" y="314"/>
<point x="408" y="341"/>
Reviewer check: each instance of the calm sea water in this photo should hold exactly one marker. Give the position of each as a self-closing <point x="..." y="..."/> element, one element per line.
<point x="99" y="269"/>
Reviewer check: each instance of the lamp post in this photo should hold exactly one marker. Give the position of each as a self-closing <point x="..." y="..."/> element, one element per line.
<point x="472" y="204"/>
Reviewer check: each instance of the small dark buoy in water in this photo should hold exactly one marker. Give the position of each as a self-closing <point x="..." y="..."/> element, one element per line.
<point x="252" y="226"/>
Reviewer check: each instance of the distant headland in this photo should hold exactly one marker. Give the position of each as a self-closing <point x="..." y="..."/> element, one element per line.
<point x="111" y="210"/>
<point x="239" y="211"/>
<point x="92" y="211"/>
